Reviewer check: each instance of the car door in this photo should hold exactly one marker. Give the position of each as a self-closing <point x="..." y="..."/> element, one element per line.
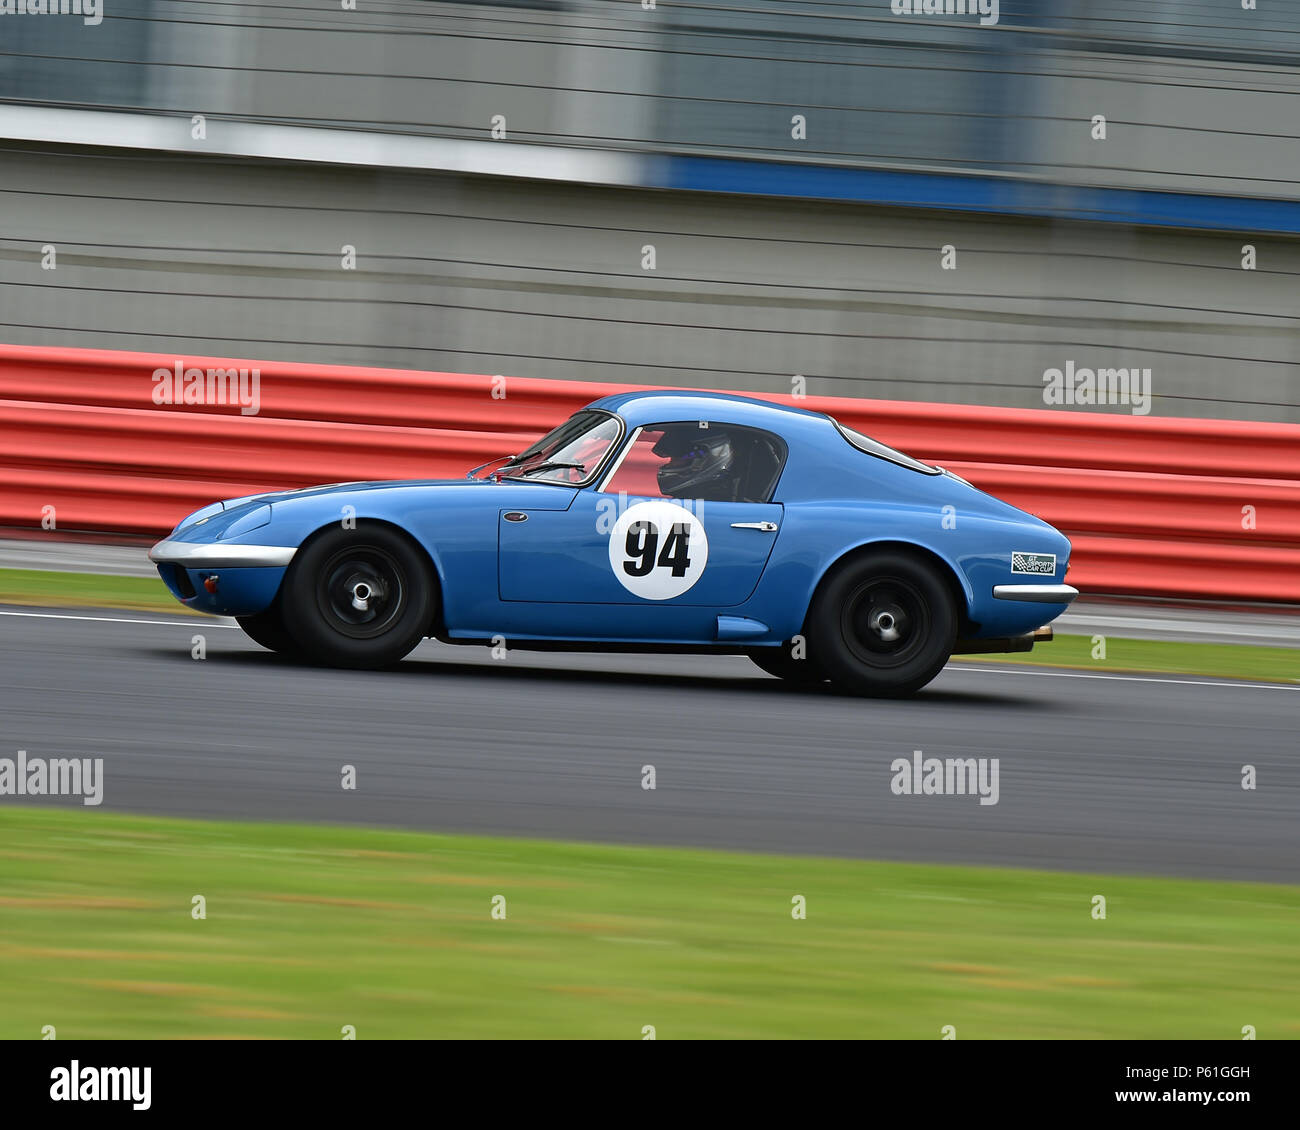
<point x="607" y="550"/>
<point x="626" y="542"/>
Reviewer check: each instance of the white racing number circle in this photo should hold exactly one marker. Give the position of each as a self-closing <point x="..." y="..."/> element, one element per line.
<point x="658" y="550"/>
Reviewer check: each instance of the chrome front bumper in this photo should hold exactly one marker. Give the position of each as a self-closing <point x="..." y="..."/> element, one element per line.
<point x="1036" y="594"/>
<point x="214" y="555"/>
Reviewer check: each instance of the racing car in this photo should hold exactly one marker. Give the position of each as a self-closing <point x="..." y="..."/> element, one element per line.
<point x="648" y="521"/>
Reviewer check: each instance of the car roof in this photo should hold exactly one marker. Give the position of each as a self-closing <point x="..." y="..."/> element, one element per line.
<point x="655" y="406"/>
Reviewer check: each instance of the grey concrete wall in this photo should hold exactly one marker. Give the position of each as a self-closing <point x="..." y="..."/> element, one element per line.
<point x="524" y="278"/>
<point x="1198" y="97"/>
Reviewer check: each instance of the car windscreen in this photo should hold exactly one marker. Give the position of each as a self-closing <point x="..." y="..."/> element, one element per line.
<point x="568" y="454"/>
<point x="882" y="451"/>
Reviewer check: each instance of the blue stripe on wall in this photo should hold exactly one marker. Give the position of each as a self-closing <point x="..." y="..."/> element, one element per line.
<point x="957" y="192"/>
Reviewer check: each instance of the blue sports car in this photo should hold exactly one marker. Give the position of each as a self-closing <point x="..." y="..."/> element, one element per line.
<point x="648" y="521"/>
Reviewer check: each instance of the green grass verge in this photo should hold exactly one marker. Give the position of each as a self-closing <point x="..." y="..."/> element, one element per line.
<point x="309" y="929"/>
<point x="1171" y="657"/>
<point x="1233" y="661"/>
<point x="87" y="590"/>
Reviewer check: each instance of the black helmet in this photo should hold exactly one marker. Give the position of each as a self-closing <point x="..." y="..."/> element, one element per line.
<point x="697" y="458"/>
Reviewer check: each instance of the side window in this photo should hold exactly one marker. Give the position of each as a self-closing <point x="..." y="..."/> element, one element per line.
<point x="638" y="473"/>
<point x="713" y="462"/>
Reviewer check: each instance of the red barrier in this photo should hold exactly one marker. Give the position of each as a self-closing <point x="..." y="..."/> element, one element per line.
<point x="1174" y="507"/>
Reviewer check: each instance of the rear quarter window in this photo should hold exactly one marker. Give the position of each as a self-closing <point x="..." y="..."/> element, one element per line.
<point x="882" y="451"/>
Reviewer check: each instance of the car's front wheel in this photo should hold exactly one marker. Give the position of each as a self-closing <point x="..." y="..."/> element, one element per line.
<point x="883" y="624"/>
<point x="361" y="597"/>
<point x="267" y="628"/>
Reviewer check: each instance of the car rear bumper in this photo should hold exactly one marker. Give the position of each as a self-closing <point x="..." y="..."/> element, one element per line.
<point x="1036" y="594"/>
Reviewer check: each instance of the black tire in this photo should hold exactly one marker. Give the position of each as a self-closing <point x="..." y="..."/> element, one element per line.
<point x="360" y="597"/>
<point x="780" y="662"/>
<point x="883" y="624"/>
<point x="267" y="628"/>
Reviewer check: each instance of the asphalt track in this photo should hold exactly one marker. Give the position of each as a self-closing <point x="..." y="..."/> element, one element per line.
<point x="1097" y="773"/>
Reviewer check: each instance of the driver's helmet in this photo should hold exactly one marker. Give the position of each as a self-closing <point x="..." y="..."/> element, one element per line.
<point x="697" y="458"/>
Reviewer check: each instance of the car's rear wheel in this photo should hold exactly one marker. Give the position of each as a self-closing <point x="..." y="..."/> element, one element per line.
<point x="883" y="624"/>
<point x="781" y="662"/>
<point x="267" y="628"/>
<point x="360" y="597"/>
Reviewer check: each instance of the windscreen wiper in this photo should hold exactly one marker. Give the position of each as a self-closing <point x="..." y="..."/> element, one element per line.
<point x="545" y="467"/>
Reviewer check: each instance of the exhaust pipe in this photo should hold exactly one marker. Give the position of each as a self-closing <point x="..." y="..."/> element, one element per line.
<point x="1005" y="644"/>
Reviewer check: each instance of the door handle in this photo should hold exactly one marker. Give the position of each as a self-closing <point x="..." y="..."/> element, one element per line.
<point x="766" y="527"/>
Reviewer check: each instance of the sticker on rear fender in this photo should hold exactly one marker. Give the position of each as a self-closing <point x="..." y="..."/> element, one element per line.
<point x="1035" y="564"/>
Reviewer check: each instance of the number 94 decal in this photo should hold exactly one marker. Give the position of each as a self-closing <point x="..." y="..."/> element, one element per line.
<point x="658" y="550"/>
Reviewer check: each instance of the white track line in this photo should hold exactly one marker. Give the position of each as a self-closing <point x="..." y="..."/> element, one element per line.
<point x="213" y="623"/>
<point x="1126" y="678"/>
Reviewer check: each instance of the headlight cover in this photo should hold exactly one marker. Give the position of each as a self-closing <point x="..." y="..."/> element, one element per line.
<point x="250" y="521"/>
<point x="198" y="516"/>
